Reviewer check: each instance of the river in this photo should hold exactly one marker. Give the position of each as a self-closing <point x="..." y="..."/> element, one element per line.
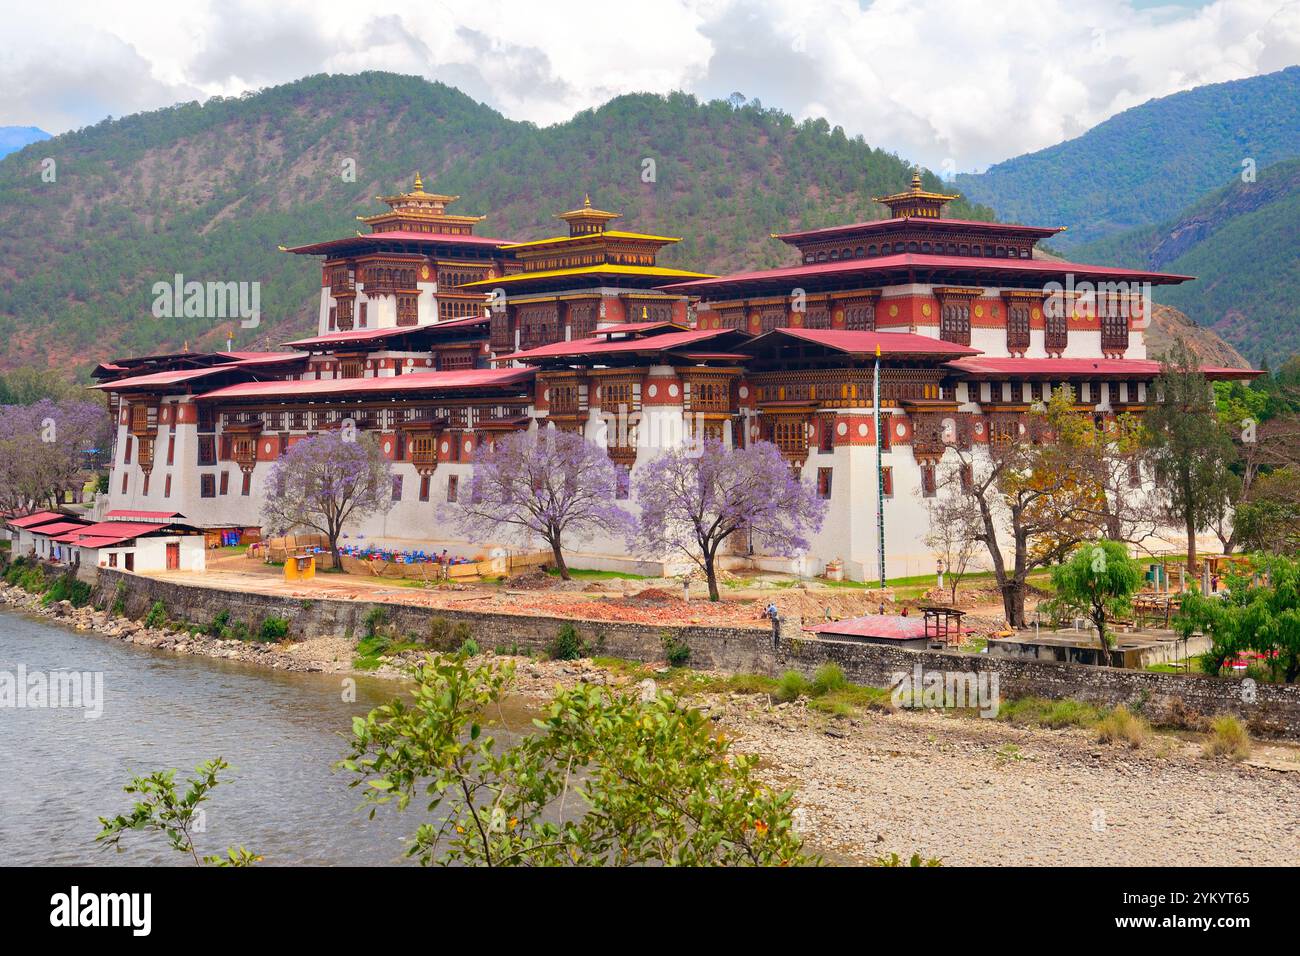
<point x="60" y="771"/>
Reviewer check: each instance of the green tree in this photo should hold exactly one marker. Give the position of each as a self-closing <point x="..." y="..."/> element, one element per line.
<point x="1260" y="612"/>
<point x="605" y="779"/>
<point x="1191" y="450"/>
<point x="1100" y="580"/>
<point x="161" y="809"/>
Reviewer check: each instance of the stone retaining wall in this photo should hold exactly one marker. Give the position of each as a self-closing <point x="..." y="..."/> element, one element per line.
<point x="1172" y="698"/>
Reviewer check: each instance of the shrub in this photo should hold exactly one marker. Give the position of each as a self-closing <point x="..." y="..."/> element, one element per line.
<point x="829" y="677"/>
<point x="375" y="620"/>
<point x="68" y="588"/>
<point x="567" y="645"/>
<point x="1227" y="738"/>
<point x="274" y="629"/>
<point x="446" y="637"/>
<point x="469" y="648"/>
<point x="676" y="651"/>
<point x="792" y="686"/>
<point x="157" y="615"/>
<point x="119" y="599"/>
<point x="1122" y="726"/>
<point x="218" y="626"/>
<point x="1055" y="714"/>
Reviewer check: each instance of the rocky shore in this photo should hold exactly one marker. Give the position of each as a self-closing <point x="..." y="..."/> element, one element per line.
<point x="965" y="790"/>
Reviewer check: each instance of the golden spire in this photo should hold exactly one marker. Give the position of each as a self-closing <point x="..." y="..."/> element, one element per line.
<point x="916" y="180"/>
<point x="586" y="200"/>
<point x="419" y="183"/>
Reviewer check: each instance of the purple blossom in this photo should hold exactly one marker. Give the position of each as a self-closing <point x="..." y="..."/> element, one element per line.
<point x="47" y="448"/>
<point x="692" y="504"/>
<point x="324" y="483"/>
<point x="551" y="485"/>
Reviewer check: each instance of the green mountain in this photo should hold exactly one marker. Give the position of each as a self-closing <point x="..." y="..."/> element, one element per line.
<point x="1240" y="241"/>
<point x="209" y="191"/>
<point x="1145" y="165"/>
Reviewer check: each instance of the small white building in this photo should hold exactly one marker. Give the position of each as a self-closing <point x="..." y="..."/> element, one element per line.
<point x="138" y="542"/>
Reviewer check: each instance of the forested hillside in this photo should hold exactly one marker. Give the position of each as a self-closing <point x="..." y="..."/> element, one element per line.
<point x="1241" y="243"/>
<point x="1143" y="166"/>
<point x="210" y="191"/>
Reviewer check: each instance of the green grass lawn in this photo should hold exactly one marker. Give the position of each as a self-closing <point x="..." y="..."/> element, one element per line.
<point x="584" y="574"/>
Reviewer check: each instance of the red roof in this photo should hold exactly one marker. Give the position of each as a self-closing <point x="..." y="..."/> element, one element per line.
<point x="108" y="532"/>
<point x="883" y="626"/>
<point x="598" y="345"/>
<point x="866" y="343"/>
<point x="143" y="515"/>
<point x="155" y="379"/>
<point x="36" y="518"/>
<point x="370" y="335"/>
<point x="916" y="261"/>
<point x="964" y="225"/>
<point x="400" y="235"/>
<point x="982" y="367"/>
<point x="58" y="527"/>
<point x="414" y="382"/>
<point x="639" y="327"/>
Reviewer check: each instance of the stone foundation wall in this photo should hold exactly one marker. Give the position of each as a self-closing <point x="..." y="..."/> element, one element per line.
<point x="1167" y="698"/>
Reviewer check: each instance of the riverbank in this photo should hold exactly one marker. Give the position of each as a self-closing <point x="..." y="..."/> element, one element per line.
<point x="879" y="781"/>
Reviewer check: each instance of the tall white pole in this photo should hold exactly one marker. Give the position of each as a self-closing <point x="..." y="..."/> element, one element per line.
<point x="880" y="475"/>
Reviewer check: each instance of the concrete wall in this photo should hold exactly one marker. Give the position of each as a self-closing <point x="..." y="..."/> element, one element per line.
<point x="1171" y="698"/>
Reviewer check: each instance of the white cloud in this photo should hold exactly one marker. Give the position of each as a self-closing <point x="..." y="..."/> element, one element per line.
<point x="951" y="84"/>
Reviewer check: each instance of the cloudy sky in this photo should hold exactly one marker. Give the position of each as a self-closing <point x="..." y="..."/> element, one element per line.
<point x="955" y="84"/>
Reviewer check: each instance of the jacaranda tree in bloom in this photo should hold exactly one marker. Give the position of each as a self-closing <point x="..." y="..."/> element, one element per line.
<point x="46" y="448"/>
<point x="692" y="503"/>
<point x="551" y="485"/>
<point x="325" y="482"/>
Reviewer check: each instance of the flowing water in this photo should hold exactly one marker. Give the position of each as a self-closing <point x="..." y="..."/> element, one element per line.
<point x="60" y="771"/>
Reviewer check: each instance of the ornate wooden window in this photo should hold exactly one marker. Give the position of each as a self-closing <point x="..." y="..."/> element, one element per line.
<point x="616" y="394"/>
<point x="502" y="336"/>
<point x="824" y="483"/>
<point x="772" y="317"/>
<point x="710" y="395"/>
<point x="1056" y="329"/>
<point x="207" y="486"/>
<point x="732" y="318"/>
<point x="245" y="453"/>
<point x="145" y="456"/>
<point x="789" y="433"/>
<point x="860" y="315"/>
<point x="887" y="481"/>
<point x="954" y="321"/>
<point x="929" y="481"/>
<point x="1114" y="327"/>
<point x="538" y="325"/>
<point x="424" y="455"/>
<point x="408" y="312"/>
<point x="350" y="368"/>
<point x="1017" y="326"/>
<point x="343" y="315"/>
<point x="643" y="311"/>
<point x="582" y="320"/>
<point x="207" y="450"/>
<point x="817" y="317"/>
<point x="565" y="398"/>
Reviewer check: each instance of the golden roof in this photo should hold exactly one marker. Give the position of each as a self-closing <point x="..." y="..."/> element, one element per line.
<point x="916" y="192"/>
<point x="587" y="212"/>
<point x="607" y="234"/>
<point x="615" y="270"/>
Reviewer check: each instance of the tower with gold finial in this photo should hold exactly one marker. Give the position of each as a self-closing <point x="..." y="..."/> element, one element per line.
<point x="916" y="202"/>
<point x="586" y="221"/>
<point x="419" y="211"/>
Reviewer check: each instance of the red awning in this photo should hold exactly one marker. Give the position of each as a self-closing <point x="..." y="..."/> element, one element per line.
<point x="1051" y="368"/>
